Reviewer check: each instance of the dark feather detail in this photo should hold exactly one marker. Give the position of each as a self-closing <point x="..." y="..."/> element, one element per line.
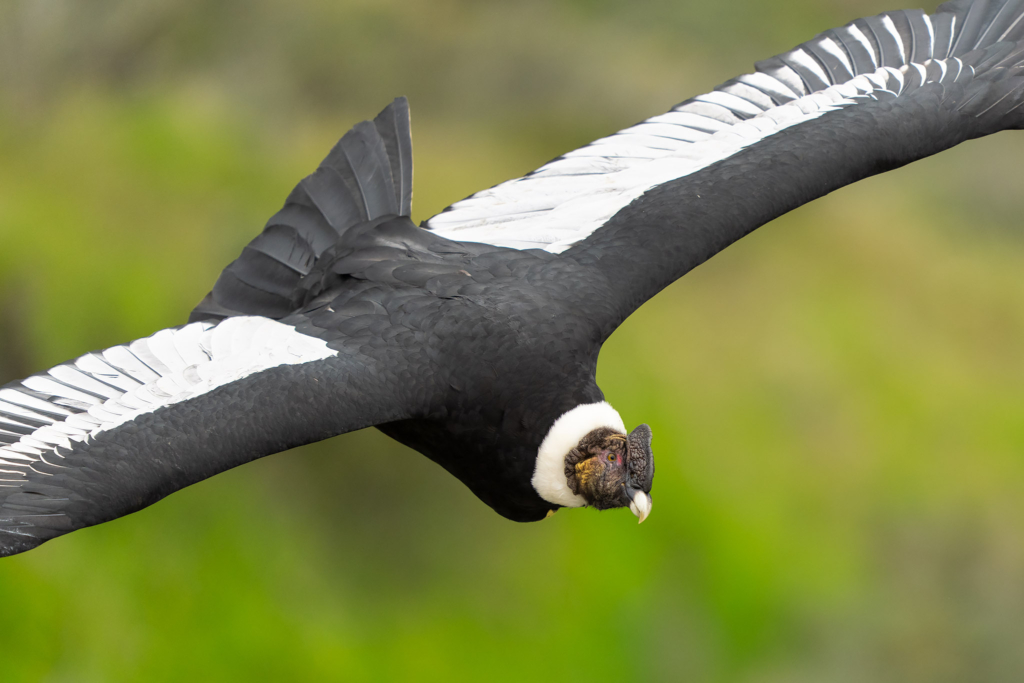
<point x="904" y="32"/>
<point x="285" y="245"/>
<point x="889" y="48"/>
<point x="393" y="126"/>
<point x="307" y="221"/>
<point x="943" y="26"/>
<point x="924" y="45"/>
<point x="863" y="59"/>
<point x="366" y="176"/>
<point x="264" y="272"/>
<point x="240" y="298"/>
<point x="973" y="23"/>
<point x="838" y="71"/>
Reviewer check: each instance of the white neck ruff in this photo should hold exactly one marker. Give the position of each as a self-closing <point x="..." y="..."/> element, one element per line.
<point x="549" y="474"/>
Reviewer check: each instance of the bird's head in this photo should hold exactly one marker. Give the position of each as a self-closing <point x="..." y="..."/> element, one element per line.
<point x="612" y="470"/>
<point x="587" y="459"/>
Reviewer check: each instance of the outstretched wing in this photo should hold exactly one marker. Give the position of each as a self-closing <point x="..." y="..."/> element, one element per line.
<point x="114" y="431"/>
<point x="648" y="203"/>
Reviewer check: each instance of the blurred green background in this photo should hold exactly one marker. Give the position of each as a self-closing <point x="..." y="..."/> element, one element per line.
<point x="837" y="401"/>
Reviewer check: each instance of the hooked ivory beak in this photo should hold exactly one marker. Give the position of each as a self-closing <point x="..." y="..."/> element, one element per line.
<point x="641" y="505"/>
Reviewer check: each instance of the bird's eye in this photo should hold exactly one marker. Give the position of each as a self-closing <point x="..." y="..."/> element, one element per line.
<point x="611" y="457"/>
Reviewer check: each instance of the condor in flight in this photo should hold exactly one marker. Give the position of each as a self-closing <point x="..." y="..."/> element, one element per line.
<point x="474" y="338"/>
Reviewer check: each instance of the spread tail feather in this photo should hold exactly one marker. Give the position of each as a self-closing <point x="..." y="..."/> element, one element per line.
<point x="367" y="175"/>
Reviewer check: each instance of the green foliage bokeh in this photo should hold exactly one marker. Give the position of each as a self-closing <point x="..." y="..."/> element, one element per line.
<point x="836" y="400"/>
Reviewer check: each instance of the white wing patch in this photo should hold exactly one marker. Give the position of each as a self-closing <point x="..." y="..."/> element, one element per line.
<point x="76" y="401"/>
<point x="563" y="202"/>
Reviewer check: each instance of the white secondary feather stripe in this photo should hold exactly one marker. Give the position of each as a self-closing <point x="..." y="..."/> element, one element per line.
<point x="563" y="202"/>
<point x="75" y="401"/>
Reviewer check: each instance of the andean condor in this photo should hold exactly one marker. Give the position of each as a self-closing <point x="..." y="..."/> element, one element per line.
<point x="474" y="338"/>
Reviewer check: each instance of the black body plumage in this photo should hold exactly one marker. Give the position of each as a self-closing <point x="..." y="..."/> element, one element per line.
<point x="467" y="340"/>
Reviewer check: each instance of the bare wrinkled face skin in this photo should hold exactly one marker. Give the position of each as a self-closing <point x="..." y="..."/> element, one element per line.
<point x="596" y="469"/>
<point x="611" y="470"/>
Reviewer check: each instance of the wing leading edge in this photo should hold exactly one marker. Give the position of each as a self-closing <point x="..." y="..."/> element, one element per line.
<point x="890" y="55"/>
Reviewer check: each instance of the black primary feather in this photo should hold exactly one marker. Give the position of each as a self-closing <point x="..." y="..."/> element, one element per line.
<point x="393" y="126"/>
